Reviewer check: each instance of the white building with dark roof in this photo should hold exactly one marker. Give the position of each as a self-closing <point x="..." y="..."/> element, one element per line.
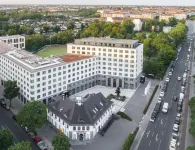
<point x="80" y="118"/>
<point x="17" y="41"/>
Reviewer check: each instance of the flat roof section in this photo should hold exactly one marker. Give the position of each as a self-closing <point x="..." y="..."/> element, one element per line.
<point x="72" y="57"/>
<point x="11" y="37"/>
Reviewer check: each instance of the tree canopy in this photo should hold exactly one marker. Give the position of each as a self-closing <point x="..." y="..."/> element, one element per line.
<point x="192" y="110"/>
<point x="21" y="146"/>
<point x="191" y="148"/>
<point x="11" y="90"/>
<point x="60" y="142"/>
<point x="6" y="139"/>
<point x="33" y="115"/>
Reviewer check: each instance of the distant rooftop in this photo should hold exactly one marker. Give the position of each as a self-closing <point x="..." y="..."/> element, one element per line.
<point x="30" y="61"/>
<point x="11" y="37"/>
<point x="5" y="47"/>
<point x="72" y="57"/>
<point x="108" y="42"/>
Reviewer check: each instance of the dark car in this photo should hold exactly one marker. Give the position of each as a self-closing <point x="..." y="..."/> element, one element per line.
<point x="179" y="104"/>
<point x="157" y="107"/>
<point x="3" y="104"/>
<point x="175" y="98"/>
<point x="32" y="135"/>
<point x="14" y="117"/>
<point x="153" y="116"/>
<point x="179" y="109"/>
<point x="177" y="121"/>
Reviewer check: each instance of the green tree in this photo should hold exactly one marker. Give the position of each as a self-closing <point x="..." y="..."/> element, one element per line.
<point x="60" y="142"/>
<point x="11" y="32"/>
<point x="70" y="26"/>
<point x="33" y="115"/>
<point x="11" y="90"/>
<point x="147" y="47"/>
<point x="6" y="139"/>
<point x="141" y="36"/>
<point x="173" y="22"/>
<point x="21" y="146"/>
<point x="46" y="28"/>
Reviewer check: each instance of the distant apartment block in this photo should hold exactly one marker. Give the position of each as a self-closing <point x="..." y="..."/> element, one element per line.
<point x="17" y="41"/>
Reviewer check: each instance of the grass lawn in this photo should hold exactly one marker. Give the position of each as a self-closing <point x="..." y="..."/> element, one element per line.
<point x="52" y="50"/>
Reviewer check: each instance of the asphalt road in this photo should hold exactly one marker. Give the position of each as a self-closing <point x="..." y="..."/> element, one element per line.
<point x="158" y="134"/>
<point x="7" y="122"/>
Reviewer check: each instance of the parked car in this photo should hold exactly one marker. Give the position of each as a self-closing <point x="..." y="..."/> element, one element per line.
<point x="3" y="104"/>
<point x="32" y="135"/>
<point x="39" y="142"/>
<point x="176" y="127"/>
<point x="14" y="117"/>
<point x="153" y="116"/>
<point x="179" y="78"/>
<point x="167" y="79"/>
<point x="177" y="120"/>
<point x="179" y="109"/>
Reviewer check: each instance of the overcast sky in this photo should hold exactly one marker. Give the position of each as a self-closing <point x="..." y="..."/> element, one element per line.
<point x="103" y="2"/>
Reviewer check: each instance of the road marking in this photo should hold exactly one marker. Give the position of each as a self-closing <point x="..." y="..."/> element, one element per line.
<point x="156" y="137"/>
<point x="156" y="125"/>
<point x="152" y="133"/>
<point x="149" y="142"/>
<point x="163" y="132"/>
<point x="161" y="121"/>
<point x="148" y="134"/>
<point x="159" y="145"/>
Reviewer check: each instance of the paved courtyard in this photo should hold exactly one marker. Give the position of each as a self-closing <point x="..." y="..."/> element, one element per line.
<point x="107" y="91"/>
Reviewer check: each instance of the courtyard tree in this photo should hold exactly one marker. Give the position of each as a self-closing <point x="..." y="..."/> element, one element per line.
<point x="60" y="142"/>
<point x="46" y="28"/>
<point x="11" y="90"/>
<point x="118" y="91"/>
<point x="33" y="115"/>
<point x="21" y="146"/>
<point x="6" y="139"/>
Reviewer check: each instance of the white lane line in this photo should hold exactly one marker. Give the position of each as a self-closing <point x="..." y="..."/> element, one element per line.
<point x="148" y="133"/>
<point x="156" y="137"/>
<point x="156" y="126"/>
<point x="153" y="134"/>
<point x="159" y="145"/>
<point x="162" y="132"/>
<point x="149" y="142"/>
<point x="161" y="121"/>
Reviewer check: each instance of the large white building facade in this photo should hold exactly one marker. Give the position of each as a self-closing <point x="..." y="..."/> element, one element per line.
<point x="119" y="62"/>
<point x="80" y="118"/>
<point x="17" y="41"/>
<point x="89" y="62"/>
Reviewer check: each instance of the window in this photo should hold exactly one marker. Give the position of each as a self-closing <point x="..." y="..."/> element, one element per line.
<point x="74" y="128"/>
<point x="83" y="128"/>
<point x="87" y="128"/>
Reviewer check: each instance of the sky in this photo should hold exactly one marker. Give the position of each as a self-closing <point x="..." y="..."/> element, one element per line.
<point x="103" y="2"/>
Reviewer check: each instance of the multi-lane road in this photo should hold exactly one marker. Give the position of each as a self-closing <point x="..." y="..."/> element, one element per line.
<point x="157" y="135"/>
<point x="6" y="122"/>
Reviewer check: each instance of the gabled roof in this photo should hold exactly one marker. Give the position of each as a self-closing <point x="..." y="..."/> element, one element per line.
<point x="92" y="108"/>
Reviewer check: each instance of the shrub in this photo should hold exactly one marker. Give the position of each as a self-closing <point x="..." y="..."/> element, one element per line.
<point x="109" y="97"/>
<point x="129" y="140"/>
<point x="150" y="100"/>
<point x="124" y="116"/>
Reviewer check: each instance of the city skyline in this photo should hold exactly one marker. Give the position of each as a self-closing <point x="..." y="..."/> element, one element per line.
<point x="102" y="2"/>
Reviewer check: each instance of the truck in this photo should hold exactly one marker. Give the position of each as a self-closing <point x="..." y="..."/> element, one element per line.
<point x="165" y="107"/>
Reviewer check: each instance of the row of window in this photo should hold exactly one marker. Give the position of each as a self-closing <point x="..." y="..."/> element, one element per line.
<point x="104" y="50"/>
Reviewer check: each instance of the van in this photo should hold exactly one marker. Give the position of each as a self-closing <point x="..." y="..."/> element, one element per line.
<point x="165" y="108"/>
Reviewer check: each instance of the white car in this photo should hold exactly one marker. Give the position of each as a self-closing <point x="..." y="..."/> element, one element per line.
<point x="179" y="115"/>
<point x="167" y="79"/>
<point x="170" y="73"/>
<point x="189" y="50"/>
<point x="159" y="99"/>
<point x="174" y="138"/>
<point x="162" y="94"/>
<point x="172" y="146"/>
<point x="179" y="78"/>
<point x="175" y="127"/>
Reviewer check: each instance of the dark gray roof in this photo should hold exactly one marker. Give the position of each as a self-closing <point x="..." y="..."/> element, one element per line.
<point x="92" y="108"/>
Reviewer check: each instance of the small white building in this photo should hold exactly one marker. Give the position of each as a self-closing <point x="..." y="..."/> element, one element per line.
<point x="180" y="16"/>
<point x="167" y="29"/>
<point x="80" y="118"/>
<point x="138" y="24"/>
<point x="17" y="41"/>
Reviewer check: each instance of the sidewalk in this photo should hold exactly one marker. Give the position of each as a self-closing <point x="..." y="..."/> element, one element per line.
<point x="45" y="132"/>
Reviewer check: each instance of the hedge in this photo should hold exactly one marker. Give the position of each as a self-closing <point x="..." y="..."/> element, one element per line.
<point x="150" y="100"/>
<point x="109" y="97"/>
<point x="130" y="139"/>
<point x="124" y="116"/>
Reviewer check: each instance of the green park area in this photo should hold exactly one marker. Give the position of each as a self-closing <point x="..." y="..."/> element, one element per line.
<point x="52" y="50"/>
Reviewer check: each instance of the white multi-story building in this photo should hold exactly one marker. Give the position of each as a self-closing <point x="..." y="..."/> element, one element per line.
<point x="17" y="41"/>
<point x="138" y="24"/>
<point x="41" y="78"/>
<point x="80" y="118"/>
<point x="120" y="61"/>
